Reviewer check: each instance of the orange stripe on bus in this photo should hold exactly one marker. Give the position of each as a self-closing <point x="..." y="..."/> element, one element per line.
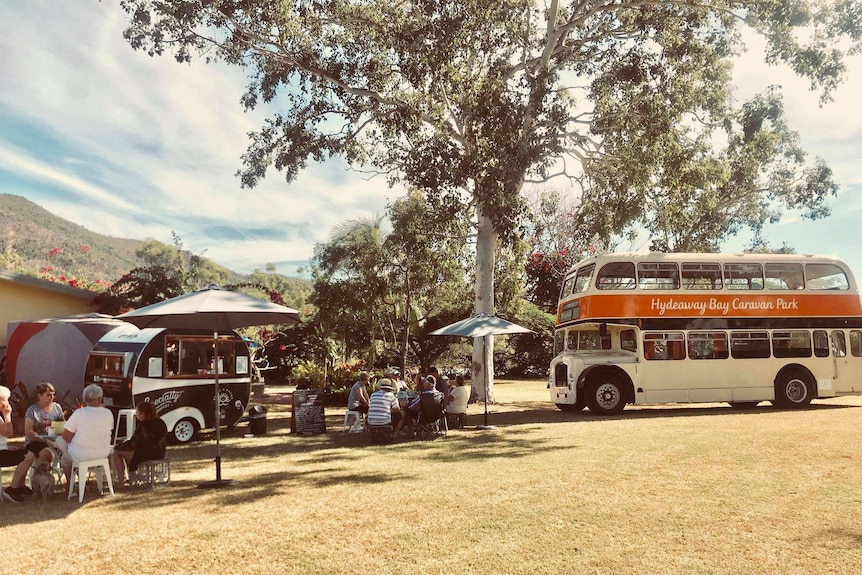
<point x="641" y="305"/>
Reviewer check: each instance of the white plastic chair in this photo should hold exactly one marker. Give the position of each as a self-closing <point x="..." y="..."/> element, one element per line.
<point x="102" y="469"/>
<point x="357" y="424"/>
<point x="4" y="497"/>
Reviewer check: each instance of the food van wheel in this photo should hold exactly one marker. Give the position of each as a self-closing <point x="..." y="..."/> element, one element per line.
<point x="792" y="390"/>
<point x="185" y="430"/>
<point x="605" y="395"/>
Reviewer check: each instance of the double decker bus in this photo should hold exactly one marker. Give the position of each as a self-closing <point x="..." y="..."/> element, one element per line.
<point x="689" y="328"/>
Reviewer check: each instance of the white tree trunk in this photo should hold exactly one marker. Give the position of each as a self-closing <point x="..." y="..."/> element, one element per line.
<point x="483" y="362"/>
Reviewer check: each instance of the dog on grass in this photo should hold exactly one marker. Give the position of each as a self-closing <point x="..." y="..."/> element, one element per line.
<point x="42" y="481"/>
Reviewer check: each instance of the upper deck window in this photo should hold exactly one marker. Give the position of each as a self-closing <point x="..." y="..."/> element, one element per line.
<point x="567" y="286"/>
<point x="784" y="276"/>
<point x="583" y="277"/>
<point x="616" y="275"/>
<point x="825" y="276"/>
<point x="743" y="276"/>
<point x="658" y="275"/>
<point x="701" y="276"/>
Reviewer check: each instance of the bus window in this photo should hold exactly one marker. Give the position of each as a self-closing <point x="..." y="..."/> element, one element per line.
<point x="658" y="275"/>
<point x="583" y="277"/>
<point x="784" y="276"/>
<point x="839" y="344"/>
<point x="584" y="340"/>
<point x="559" y="340"/>
<point x="701" y="276"/>
<point x="856" y="343"/>
<point x="749" y="344"/>
<point x="567" y="287"/>
<point x="570" y="310"/>
<point x="664" y="346"/>
<point x="791" y="344"/>
<point x="825" y="276"/>
<point x="628" y="340"/>
<point x="616" y="275"/>
<point x="821" y="343"/>
<point x="743" y="276"/>
<point x="707" y="345"/>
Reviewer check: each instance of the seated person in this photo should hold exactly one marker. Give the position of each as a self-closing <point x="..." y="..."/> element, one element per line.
<point x="147" y="443"/>
<point x="9" y="457"/>
<point x="358" y="398"/>
<point x="459" y="395"/>
<point x="87" y="434"/>
<point x="440" y="382"/>
<point x="37" y="419"/>
<point x="413" y="409"/>
<point x="383" y="406"/>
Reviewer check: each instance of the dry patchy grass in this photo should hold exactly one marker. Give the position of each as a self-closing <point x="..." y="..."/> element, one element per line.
<point x="669" y="490"/>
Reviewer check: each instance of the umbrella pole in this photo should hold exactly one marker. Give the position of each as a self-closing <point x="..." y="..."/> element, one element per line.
<point x="219" y="482"/>
<point x="484" y="367"/>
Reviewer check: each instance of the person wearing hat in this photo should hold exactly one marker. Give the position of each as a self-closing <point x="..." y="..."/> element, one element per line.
<point x="398" y="384"/>
<point x="383" y="408"/>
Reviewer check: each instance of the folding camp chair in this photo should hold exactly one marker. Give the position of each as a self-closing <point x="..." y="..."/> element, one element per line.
<point x="432" y="417"/>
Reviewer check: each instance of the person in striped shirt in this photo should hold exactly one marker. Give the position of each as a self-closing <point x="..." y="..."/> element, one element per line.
<point x="383" y="408"/>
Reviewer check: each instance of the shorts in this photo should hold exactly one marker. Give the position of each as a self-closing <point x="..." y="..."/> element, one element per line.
<point x="36" y="446"/>
<point x="10" y="457"/>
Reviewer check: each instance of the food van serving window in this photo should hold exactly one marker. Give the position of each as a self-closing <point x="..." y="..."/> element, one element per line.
<point x="193" y="356"/>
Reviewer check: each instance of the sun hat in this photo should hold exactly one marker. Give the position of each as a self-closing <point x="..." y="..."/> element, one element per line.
<point x="384" y="384"/>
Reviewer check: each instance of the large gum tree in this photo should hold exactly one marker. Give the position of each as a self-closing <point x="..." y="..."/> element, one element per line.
<point x="468" y="100"/>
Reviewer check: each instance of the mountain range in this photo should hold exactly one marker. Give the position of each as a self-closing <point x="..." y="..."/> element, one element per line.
<point x="36" y="242"/>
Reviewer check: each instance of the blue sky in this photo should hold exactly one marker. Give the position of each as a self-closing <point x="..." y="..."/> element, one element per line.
<point x="138" y="147"/>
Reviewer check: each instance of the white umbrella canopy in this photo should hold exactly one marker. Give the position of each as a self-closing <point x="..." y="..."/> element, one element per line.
<point x="220" y="310"/>
<point x="481" y="325"/>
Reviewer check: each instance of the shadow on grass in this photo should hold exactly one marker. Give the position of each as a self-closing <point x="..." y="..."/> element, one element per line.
<point x="327" y="459"/>
<point x="835" y="536"/>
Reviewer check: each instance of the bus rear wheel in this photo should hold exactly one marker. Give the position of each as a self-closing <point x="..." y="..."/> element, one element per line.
<point x="605" y="395"/>
<point x="793" y="390"/>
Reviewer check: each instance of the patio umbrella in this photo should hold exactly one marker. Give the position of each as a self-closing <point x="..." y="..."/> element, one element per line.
<point x="482" y="325"/>
<point x="221" y="310"/>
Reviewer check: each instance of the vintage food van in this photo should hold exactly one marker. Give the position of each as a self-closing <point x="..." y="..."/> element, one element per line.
<point x="173" y="369"/>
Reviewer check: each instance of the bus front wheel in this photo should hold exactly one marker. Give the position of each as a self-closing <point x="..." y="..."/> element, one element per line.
<point x="792" y="390"/>
<point x="605" y="395"/>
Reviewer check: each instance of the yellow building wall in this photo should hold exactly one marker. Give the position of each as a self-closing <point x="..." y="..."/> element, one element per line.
<point x="24" y="302"/>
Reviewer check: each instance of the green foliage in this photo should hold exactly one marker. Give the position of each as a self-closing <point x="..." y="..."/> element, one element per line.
<point x="373" y="286"/>
<point x="309" y="372"/>
<point x="21" y="399"/>
<point x="491" y="96"/>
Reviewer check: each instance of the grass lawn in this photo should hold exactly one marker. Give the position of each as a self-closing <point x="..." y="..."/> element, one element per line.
<point x="671" y="489"/>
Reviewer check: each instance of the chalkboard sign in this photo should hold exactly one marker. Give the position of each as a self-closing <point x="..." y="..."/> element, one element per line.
<point x="307" y="413"/>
